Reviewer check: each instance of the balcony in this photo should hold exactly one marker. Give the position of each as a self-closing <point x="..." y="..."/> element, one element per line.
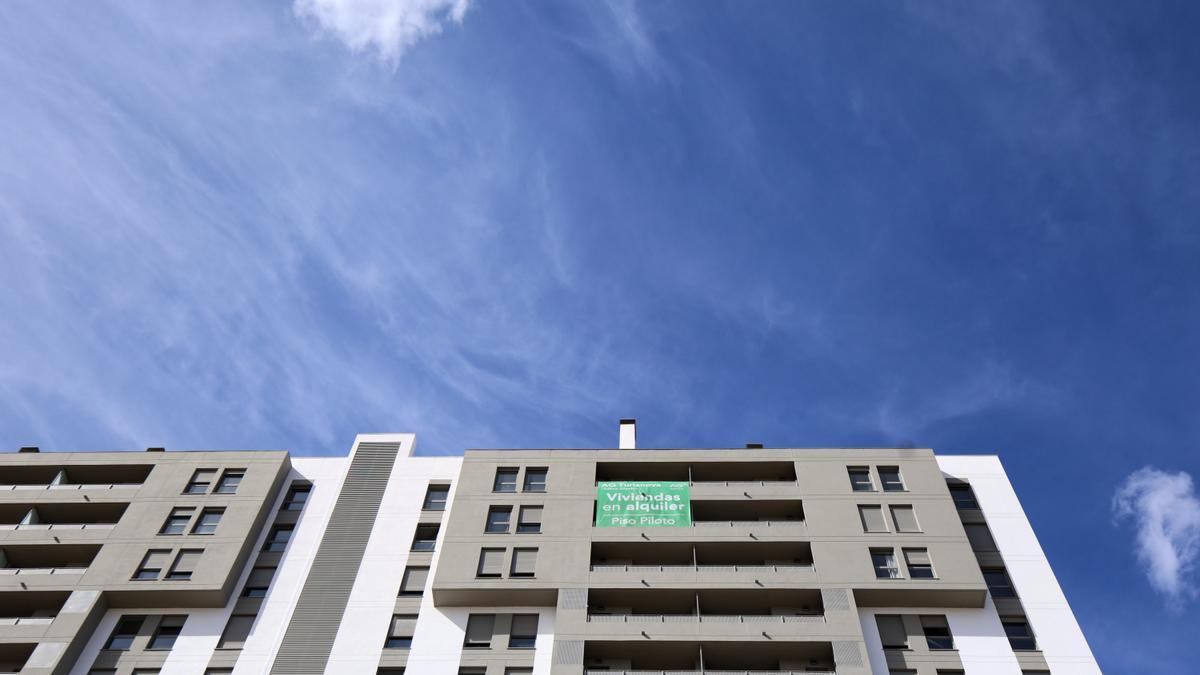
<point x="716" y="606"/>
<point x="74" y="477"/>
<point x="65" y="516"/>
<point x="13" y="656"/>
<point x="660" y="657"/>
<point x="30" y="608"/>
<point x="42" y="559"/>
<point x="719" y="473"/>
<point x="702" y="558"/>
<point x="747" y="512"/>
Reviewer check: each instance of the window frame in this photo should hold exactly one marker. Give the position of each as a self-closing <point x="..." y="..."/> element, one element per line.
<point x="208" y="511"/>
<point x="1012" y="590"/>
<point x="198" y="486"/>
<point x="895" y="563"/>
<point x="121" y="620"/>
<point x="506" y="471"/>
<point x="531" y="487"/>
<point x="429" y="504"/>
<point x="236" y="475"/>
<point x="178" y="513"/>
<point x="1006" y="621"/>
<point x="289" y="500"/>
<point x="925" y="620"/>
<point x="883" y="482"/>
<point x="406" y="592"/>
<point x="396" y="641"/>
<point x="272" y="544"/>
<point x="158" y="632"/>
<point x="468" y="643"/>
<point x="491" y="526"/>
<point x="852" y="471"/>
<point x="922" y="567"/>
<point x="143" y="566"/>
<point x="418" y="539"/>
<point x="173" y="573"/>
<point x="523" y="526"/>
<point x="524" y="640"/>
<point x="512" y="565"/>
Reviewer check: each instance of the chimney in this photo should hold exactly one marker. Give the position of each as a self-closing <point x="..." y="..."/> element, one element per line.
<point x="628" y="439"/>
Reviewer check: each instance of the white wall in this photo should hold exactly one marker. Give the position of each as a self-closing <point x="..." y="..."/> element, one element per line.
<point x="978" y="637"/>
<point x="1054" y="626"/>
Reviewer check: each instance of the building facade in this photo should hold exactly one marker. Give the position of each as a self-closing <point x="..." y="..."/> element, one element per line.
<point x="524" y="562"/>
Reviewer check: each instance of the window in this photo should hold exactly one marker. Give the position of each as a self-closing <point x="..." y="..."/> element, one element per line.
<point x="506" y="480"/>
<point x="998" y="583"/>
<point x="518" y="671"/>
<point x="937" y="632"/>
<point x="491" y="562"/>
<point x="229" y="481"/>
<point x="963" y="496"/>
<point x="201" y="480"/>
<point x="401" y="635"/>
<point x="919" y="565"/>
<point x="236" y="631"/>
<point x="413" y="582"/>
<point x="891" y="631"/>
<point x="529" y="521"/>
<point x="278" y="538"/>
<point x="479" y="631"/>
<point x="126" y="630"/>
<point x="152" y="565"/>
<point x="980" y="537"/>
<point x="435" y="498"/>
<point x="258" y="582"/>
<point x="208" y="521"/>
<point x="472" y="670"/>
<point x="890" y="477"/>
<point x="524" y="562"/>
<point x="185" y="564"/>
<point x="523" y="634"/>
<point x="218" y="671"/>
<point x="1019" y="635"/>
<point x="884" y="560"/>
<point x="860" y="479"/>
<point x="872" y="518"/>
<point x="178" y="520"/>
<point x="426" y="538"/>
<point x="905" y="519"/>
<point x="535" y="479"/>
<point x="297" y="497"/>
<point x="498" y="518"/>
<point x="168" y="629"/>
<point x="145" y="671"/>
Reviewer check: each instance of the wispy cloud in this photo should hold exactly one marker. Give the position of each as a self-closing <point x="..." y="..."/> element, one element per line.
<point x="389" y="27"/>
<point x="1166" y="511"/>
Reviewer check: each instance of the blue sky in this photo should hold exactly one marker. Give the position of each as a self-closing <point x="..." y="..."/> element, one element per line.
<point x="507" y="224"/>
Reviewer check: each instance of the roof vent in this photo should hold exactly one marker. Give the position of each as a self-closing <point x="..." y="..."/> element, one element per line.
<point x="29" y="448"/>
<point x="754" y="445"/>
<point x="156" y="449"/>
<point x="628" y="439"/>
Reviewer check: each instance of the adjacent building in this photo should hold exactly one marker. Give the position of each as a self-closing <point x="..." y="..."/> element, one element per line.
<point x="524" y="562"/>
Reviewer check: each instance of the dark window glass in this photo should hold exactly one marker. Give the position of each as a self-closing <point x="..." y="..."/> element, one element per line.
<point x="884" y="561"/>
<point x="535" y="480"/>
<point x="937" y="632"/>
<point x="177" y="521"/>
<point x="208" y="521"/>
<point x="1019" y="635"/>
<point x="890" y="477"/>
<point x="523" y="634"/>
<point x="296" y="498"/>
<point x="168" y="629"/>
<point x="479" y="631"/>
<point x="506" y="480"/>
<point x="860" y="479"/>
<point x="201" y="480"/>
<point x="963" y="496"/>
<point x="278" y="539"/>
<point x="126" y="630"/>
<point x="998" y="583"/>
<point x="498" y="519"/>
<point x="426" y="538"/>
<point x="435" y="498"/>
<point x="229" y="481"/>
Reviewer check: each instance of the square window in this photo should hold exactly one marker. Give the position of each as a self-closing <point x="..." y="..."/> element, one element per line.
<point x="524" y="562"/>
<point x="435" y="498"/>
<point x="523" y="634"/>
<point x="872" y="518"/>
<point x="937" y="632"/>
<point x="498" y="518"/>
<point x="401" y="634"/>
<point x="168" y="629"/>
<point x="891" y="631"/>
<point x="152" y="565"/>
<point x="860" y="479"/>
<point x="884" y="561"/>
<point x="124" y="633"/>
<point x="491" y="562"/>
<point x="208" y="521"/>
<point x="963" y="496"/>
<point x="998" y="583"/>
<point x="529" y="520"/>
<point x="177" y="520"/>
<point x="259" y="582"/>
<point x="1020" y="638"/>
<point x="506" y="480"/>
<point x="186" y="562"/>
<point x="278" y="538"/>
<point x="518" y="671"/>
<point x="889" y="476"/>
<point x="201" y="480"/>
<point x="425" y="538"/>
<point x="535" y="479"/>
<point x="905" y="519"/>
<point x="297" y="497"/>
<point x="919" y="565"/>
<point x="413" y="581"/>
<point x="230" y="480"/>
<point x="479" y="631"/>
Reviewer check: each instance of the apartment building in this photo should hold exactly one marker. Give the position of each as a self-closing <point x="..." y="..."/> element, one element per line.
<point x="524" y="562"/>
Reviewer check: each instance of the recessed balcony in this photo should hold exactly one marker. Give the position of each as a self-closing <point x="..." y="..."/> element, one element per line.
<point x="13" y="656"/>
<point x="701" y="557"/>
<point x="64" y="516"/>
<point x="718" y="606"/>
<point x="747" y="512"/>
<point x="727" y="473"/>
<point x="27" y="559"/>
<point x="30" y="608"/>
<point x="74" y="477"/>
<point x="661" y="657"/>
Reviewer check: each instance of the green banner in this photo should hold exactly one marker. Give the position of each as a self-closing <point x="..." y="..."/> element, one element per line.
<point x="643" y="504"/>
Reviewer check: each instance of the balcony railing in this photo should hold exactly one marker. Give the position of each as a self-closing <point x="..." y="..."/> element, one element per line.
<point x="746" y="523"/>
<point x="26" y="621"/>
<point x="706" y="618"/>
<point x="74" y="486"/>
<point x="702" y="568"/>
<point x="41" y="570"/>
<point x="60" y="526"/>
<point x="709" y="672"/>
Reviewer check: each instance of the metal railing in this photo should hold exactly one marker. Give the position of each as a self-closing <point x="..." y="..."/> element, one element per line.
<point x="74" y="486"/>
<point x="26" y="621"/>
<point x="782" y="522"/>
<point x="42" y="570"/>
<point x="60" y="526"/>
<point x="707" y="618"/>
<point x="702" y="568"/>
<point x="709" y="672"/>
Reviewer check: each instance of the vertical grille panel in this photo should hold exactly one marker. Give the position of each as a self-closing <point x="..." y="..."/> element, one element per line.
<point x="309" y="638"/>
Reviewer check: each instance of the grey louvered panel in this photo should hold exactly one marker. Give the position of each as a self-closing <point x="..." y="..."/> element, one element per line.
<point x="309" y="638"/>
<point x="568" y="652"/>
<point x="835" y="599"/>
<point x="572" y="598"/>
<point x="847" y="654"/>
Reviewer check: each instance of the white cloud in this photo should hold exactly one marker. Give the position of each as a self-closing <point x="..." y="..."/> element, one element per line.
<point x="388" y="26"/>
<point x="1166" y="509"/>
